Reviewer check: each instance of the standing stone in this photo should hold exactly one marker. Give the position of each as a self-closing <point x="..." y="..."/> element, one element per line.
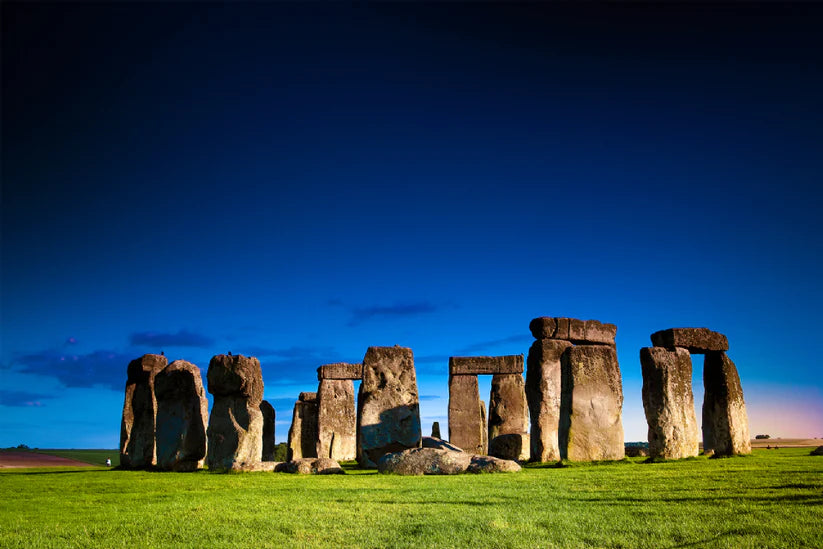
<point x="303" y="431"/>
<point x="336" y="420"/>
<point x="388" y="409"/>
<point x="137" y="447"/>
<point x="182" y="417"/>
<point x="543" y="393"/>
<point x="466" y="425"/>
<point x="669" y="402"/>
<point x="591" y="401"/>
<point x="508" y="410"/>
<point x="235" y="430"/>
<point x="268" y="430"/>
<point x="436" y="430"/>
<point x="725" y="422"/>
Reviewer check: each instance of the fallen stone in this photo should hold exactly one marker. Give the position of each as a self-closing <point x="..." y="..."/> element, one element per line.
<point x="636" y="451"/>
<point x="481" y="365"/>
<point x="302" y="441"/>
<point x="137" y="426"/>
<point x="268" y="430"/>
<point x="669" y="403"/>
<point x="340" y="370"/>
<point x="543" y="394"/>
<point x="508" y="409"/>
<point x="513" y="446"/>
<point x="490" y="464"/>
<point x="466" y="422"/>
<point x="591" y="403"/>
<point x="725" y="421"/>
<point x="436" y="430"/>
<point x="580" y="332"/>
<point x="311" y="466"/>
<point x="696" y="340"/>
<point x="424" y="461"/>
<point x="432" y="442"/>
<point x="388" y="413"/>
<point x="182" y="417"/>
<point x="336" y="420"/>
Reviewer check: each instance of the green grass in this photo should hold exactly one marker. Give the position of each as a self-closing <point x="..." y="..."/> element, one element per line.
<point x="769" y="499"/>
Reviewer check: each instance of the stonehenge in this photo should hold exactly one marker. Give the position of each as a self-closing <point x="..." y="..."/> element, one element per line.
<point x="268" y="430"/>
<point x="182" y="417"/>
<point x="467" y="421"/>
<point x="725" y="421"/>
<point x="302" y="441"/>
<point x="543" y="392"/>
<point x="137" y="427"/>
<point x="336" y="414"/>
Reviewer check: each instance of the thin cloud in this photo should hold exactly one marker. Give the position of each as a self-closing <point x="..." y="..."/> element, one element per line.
<point x="398" y="310"/>
<point x="429" y="397"/>
<point x="99" y="368"/>
<point x="22" y="399"/>
<point x="182" y="338"/>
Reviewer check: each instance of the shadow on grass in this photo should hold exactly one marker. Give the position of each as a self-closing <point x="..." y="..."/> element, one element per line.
<point x="790" y="498"/>
<point x="732" y="532"/>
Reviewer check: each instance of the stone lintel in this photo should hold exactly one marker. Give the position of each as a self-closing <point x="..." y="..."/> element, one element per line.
<point x="481" y="365"/>
<point x="307" y="397"/>
<point x="340" y="370"/>
<point x="696" y="340"/>
<point x="579" y="332"/>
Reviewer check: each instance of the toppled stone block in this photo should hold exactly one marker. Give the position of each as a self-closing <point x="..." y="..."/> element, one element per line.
<point x="669" y="403"/>
<point x="431" y="442"/>
<point x="591" y="403"/>
<point x="268" y="430"/>
<point x="580" y="332"/>
<point x="508" y="409"/>
<point x="474" y="365"/>
<point x="466" y="422"/>
<point x="696" y="340"/>
<point x="340" y="370"/>
<point x="388" y="408"/>
<point x="424" y="461"/>
<point x="336" y="420"/>
<point x="182" y="417"/>
<point x="543" y="394"/>
<point x="513" y="446"/>
<point x="725" y="421"/>
<point x="490" y="464"/>
<point x="137" y="426"/>
<point x="302" y="442"/>
<point x="310" y="466"/>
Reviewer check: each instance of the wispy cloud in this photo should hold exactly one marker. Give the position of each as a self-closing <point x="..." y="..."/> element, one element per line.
<point x="182" y="338"/>
<point x="429" y="397"/>
<point x="22" y="398"/>
<point x="99" y="368"/>
<point x="360" y="315"/>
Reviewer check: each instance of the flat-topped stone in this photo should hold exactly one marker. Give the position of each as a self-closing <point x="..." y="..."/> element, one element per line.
<point x="481" y="365"/>
<point x="307" y="397"/>
<point x="580" y="332"/>
<point x="340" y="370"/>
<point x="696" y="340"/>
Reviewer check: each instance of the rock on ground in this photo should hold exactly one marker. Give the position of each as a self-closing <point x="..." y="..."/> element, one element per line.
<point x="311" y="466"/>
<point x="512" y="446"/>
<point x="432" y="442"/>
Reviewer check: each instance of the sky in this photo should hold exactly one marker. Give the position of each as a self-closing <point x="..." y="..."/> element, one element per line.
<point x="298" y="182"/>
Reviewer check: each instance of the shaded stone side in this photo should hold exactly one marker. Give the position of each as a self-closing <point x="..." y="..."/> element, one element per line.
<point x="696" y="340"/>
<point x="388" y="409"/>
<point x="591" y="402"/>
<point x="725" y="421"/>
<point x="182" y="417"/>
<point x="269" y="416"/>
<point x="543" y="394"/>
<point x="582" y="332"/>
<point x="466" y="425"/>
<point x="474" y="365"/>
<point x="669" y="403"/>
<point x="235" y="433"/>
<point x="485" y="424"/>
<point x="302" y="441"/>
<point x="508" y="410"/>
<point x="436" y="430"/>
<point x="336" y="420"/>
<point x="340" y="370"/>
<point x="138" y="422"/>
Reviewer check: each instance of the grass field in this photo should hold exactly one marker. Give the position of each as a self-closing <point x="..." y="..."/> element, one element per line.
<point x="770" y="499"/>
<point x="95" y="457"/>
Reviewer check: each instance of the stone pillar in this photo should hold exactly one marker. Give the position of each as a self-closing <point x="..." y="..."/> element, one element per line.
<point x="336" y="420"/>
<point x="182" y="417"/>
<point x="725" y="422"/>
<point x="303" y="431"/>
<point x="235" y="430"/>
<point x="669" y="402"/>
<point x="591" y="402"/>
<point x="388" y="409"/>
<point x="543" y="393"/>
<point x="466" y="425"/>
<point x="436" y="430"/>
<point x="268" y="430"/>
<point x="509" y="415"/>
<point x="137" y="427"/>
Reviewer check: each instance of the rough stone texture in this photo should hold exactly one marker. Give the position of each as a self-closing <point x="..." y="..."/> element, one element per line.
<point x="636" y="451"/>
<point x="182" y="417"/>
<point x="669" y="402"/>
<point x="543" y="394"/>
<point x="336" y="420"/>
<point x="424" y="461"/>
<point x="514" y="446"/>
<point x="310" y="466"/>
<point x="508" y="410"/>
<point x="466" y="423"/>
<point x="725" y="422"/>
<point x="817" y="451"/>
<point x="388" y="409"/>
<point x="268" y="430"/>
<point x="431" y="442"/>
<point x="484" y="422"/>
<point x="582" y="332"/>
<point x="436" y="430"/>
<point x="340" y="370"/>
<point x="489" y="464"/>
<point x="303" y="434"/>
<point x="482" y="365"/>
<point x="591" y="403"/>
<point x="137" y="426"/>
<point x="696" y="340"/>
<point x="235" y="433"/>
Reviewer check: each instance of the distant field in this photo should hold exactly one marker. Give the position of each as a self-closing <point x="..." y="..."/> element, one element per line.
<point x="93" y="457"/>
<point x="769" y="499"/>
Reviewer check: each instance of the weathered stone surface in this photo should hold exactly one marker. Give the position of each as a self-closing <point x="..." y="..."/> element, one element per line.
<point x="235" y="433"/>
<point x="268" y="430"/>
<point x="388" y="409"/>
<point x="514" y="446"/>
<point x="484" y="422"/>
<point x="669" y="402"/>
<point x="466" y="424"/>
<point x="424" y="461"/>
<point x="591" y="402"/>
<point x="725" y="421"/>
<point x="182" y="417"/>
<point x="582" y="332"/>
<point x="543" y="394"/>
<point x="636" y="451"/>
<point x="482" y="365"/>
<point x="431" y="442"/>
<point x="508" y="410"/>
<point x="490" y="464"/>
<point x="436" y="430"/>
<point x="340" y="370"/>
<point x="137" y="426"/>
<point x="817" y="451"/>
<point x="303" y="433"/>
<point x="311" y="466"/>
<point x="336" y="420"/>
<point x="696" y="340"/>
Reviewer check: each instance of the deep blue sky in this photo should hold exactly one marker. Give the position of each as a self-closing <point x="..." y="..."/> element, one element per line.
<point x="301" y="182"/>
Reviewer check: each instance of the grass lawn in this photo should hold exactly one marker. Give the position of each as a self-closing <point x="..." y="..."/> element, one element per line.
<point x="773" y="498"/>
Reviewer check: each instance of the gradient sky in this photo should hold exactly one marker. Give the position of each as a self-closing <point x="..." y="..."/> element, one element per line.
<point x="300" y="182"/>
